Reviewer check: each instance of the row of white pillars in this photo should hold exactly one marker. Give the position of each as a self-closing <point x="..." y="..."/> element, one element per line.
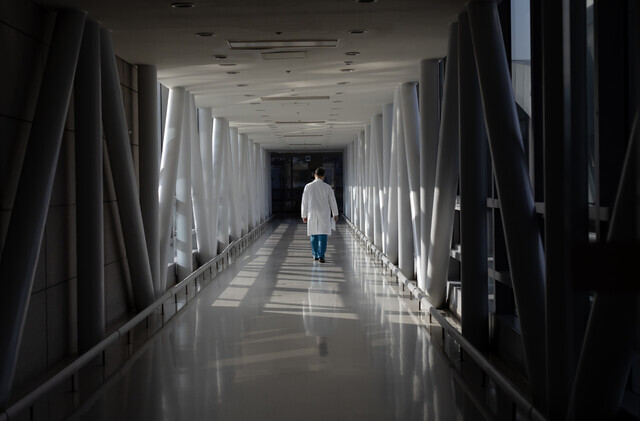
<point x="422" y="180"/>
<point x="218" y="176"/>
<point x="392" y="194"/>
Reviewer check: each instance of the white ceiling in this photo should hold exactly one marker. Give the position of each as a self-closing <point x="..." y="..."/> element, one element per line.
<point x="399" y="34"/>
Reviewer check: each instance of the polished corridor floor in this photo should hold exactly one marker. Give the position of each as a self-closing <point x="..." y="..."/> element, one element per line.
<point x="278" y="336"/>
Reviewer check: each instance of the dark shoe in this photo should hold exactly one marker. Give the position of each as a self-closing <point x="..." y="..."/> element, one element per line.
<point x="316" y="258"/>
<point x="322" y="260"/>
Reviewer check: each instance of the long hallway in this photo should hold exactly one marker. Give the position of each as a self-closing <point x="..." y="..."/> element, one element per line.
<point x="278" y="336"/>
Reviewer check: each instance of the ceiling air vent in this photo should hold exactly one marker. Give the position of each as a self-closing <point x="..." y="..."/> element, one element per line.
<point x="271" y="44"/>
<point x="293" y="98"/>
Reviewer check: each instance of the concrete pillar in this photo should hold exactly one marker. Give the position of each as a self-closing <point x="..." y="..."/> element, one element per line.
<point x="149" y="155"/>
<point x="223" y="212"/>
<point x="444" y="196"/>
<point x="429" y="133"/>
<point x="473" y="195"/>
<point x="124" y="178"/>
<point x="392" y="200"/>
<point x="411" y="128"/>
<point x="198" y="191"/>
<point x="183" y="242"/>
<point x="367" y="185"/>
<point x="168" y="177"/>
<point x="387" y="123"/>
<point x="245" y="180"/>
<point x="406" y="252"/>
<point x="89" y="196"/>
<point x="522" y="235"/>
<point x="206" y="246"/>
<point x="232" y="158"/>
<point x="361" y="183"/>
<point x="218" y="159"/>
<point x="31" y="204"/>
<point x="379" y="215"/>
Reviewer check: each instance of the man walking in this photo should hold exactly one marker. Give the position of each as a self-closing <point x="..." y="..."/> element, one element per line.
<point x="318" y="207"/>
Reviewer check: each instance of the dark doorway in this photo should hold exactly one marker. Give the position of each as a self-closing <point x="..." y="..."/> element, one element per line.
<point x="290" y="172"/>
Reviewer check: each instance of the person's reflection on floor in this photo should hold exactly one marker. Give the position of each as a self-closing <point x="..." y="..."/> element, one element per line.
<point x="319" y="308"/>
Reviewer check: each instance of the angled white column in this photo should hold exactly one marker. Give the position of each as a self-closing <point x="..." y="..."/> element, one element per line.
<point x="266" y="183"/>
<point x="256" y="163"/>
<point x="223" y="208"/>
<point x="218" y="159"/>
<point x="406" y="252"/>
<point x="168" y="177"/>
<point x="184" y="232"/>
<point x="269" y="190"/>
<point x="198" y="192"/>
<point x="429" y="134"/>
<point x="411" y="128"/>
<point x="89" y="191"/>
<point x="387" y="123"/>
<point x="517" y="207"/>
<point x="473" y="195"/>
<point x="124" y="178"/>
<point x="392" y="214"/>
<point x="149" y="163"/>
<point x="250" y="185"/>
<point x="31" y="204"/>
<point x="345" y="181"/>
<point x="354" y="178"/>
<point x="205" y="135"/>
<point x="232" y="158"/>
<point x="378" y="195"/>
<point x="244" y="183"/>
<point x="444" y="197"/>
<point x="367" y="185"/>
<point x="361" y="183"/>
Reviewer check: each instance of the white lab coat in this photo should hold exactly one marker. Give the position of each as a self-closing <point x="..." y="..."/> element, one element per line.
<point x="318" y="205"/>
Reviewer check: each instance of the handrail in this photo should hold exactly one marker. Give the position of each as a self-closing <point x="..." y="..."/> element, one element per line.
<point x="78" y="363"/>
<point x="506" y="386"/>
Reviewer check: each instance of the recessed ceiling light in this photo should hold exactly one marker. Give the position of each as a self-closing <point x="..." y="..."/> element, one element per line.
<point x="352" y="53"/>
<point x="347" y="70"/>
<point x="232" y="73"/>
<point x="357" y="31"/>
<point x="182" y="5"/>
<point x="227" y="64"/>
<point x="219" y="56"/>
<point x="205" y="34"/>
<point x="343" y="83"/>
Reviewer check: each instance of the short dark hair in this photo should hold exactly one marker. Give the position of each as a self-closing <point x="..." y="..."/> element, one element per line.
<point x="320" y="172"/>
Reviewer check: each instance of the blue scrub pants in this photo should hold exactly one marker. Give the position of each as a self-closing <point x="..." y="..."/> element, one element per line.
<point x="318" y="245"/>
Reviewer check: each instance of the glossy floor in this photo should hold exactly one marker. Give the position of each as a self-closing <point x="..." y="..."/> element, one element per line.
<point x="278" y="336"/>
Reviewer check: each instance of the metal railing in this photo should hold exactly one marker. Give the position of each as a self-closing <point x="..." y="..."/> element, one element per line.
<point x="501" y="381"/>
<point x="224" y="258"/>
